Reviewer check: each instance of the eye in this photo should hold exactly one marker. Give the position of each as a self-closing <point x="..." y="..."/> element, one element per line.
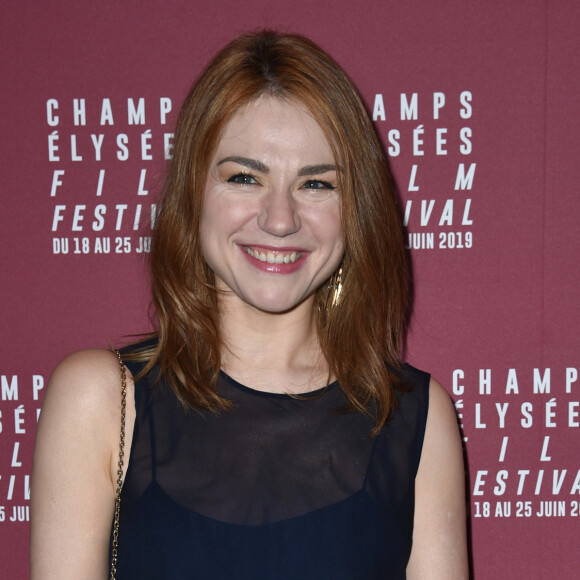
<point x="243" y="179"/>
<point x="318" y="184"/>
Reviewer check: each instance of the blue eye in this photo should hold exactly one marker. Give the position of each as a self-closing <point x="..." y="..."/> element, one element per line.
<point x="317" y="184"/>
<point x="243" y="179"/>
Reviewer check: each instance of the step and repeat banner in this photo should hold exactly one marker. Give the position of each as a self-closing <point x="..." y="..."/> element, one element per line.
<point x="478" y="107"/>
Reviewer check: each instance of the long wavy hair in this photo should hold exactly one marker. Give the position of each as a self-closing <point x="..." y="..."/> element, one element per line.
<point x="361" y="337"/>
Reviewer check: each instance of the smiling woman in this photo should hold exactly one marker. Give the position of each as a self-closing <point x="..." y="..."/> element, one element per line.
<point x="280" y="284"/>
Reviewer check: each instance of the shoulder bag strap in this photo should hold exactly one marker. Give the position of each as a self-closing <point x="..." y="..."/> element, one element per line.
<point x="116" y="513"/>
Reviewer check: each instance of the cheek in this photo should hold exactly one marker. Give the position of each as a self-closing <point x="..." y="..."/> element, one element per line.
<point x="223" y="216"/>
<point x="205" y="227"/>
<point x="336" y="235"/>
<point x="211" y="229"/>
<point x="327" y="222"/>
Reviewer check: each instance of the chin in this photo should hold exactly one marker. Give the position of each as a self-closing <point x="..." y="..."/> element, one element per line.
<point x="276" y="304"/>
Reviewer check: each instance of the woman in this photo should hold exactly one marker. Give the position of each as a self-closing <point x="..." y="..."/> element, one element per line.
<point x="274" y="431"/>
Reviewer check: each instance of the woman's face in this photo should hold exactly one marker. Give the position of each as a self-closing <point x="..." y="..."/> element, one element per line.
<point x="271" y="226"/>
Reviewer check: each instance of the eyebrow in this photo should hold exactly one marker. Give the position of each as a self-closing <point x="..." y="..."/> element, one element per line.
<point x="262" y="168"/>
<point x="316" y="169"/>
<point x="247" y="162"/>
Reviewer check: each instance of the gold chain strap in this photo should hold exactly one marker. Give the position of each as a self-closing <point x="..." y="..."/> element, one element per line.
<point x="117" y="511"/>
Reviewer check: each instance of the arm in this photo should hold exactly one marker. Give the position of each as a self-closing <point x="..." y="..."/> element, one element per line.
<point x="74" y="468"/>
<point x="439" y="537"/>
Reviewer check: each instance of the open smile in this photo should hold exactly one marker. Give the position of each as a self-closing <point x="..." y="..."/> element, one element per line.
<point x="273" y="257"/>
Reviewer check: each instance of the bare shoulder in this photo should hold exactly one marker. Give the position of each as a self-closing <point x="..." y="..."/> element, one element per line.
<point x="441" y="419"/>
<point x="86" y="373"/>
<point x="82" y="405"/>
<point x="83" y="400"/>
<point x="439" y="537"/>
<point x="442" y="455"/>
<point x="74" y="467"/>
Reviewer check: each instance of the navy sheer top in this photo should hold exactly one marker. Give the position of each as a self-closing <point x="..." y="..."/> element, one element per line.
<point x="279" y="487"/>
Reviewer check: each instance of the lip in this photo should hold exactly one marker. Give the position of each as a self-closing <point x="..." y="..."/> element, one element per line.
<point x="275" y="268"/>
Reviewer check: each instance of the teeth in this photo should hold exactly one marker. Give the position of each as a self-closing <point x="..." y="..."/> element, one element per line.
<point x="271" y="258"/>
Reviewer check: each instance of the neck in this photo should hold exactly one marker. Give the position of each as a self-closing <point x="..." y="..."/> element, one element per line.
<point x="272" y="352"/>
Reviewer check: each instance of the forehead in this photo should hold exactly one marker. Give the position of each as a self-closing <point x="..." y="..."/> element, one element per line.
<point x="274" y="121"/>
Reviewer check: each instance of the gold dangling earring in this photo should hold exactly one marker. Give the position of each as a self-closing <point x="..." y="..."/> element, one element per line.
<point x="336" y="287"/>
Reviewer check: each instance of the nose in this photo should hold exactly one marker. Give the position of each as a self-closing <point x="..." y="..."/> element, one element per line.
<point x="279" y="216"/>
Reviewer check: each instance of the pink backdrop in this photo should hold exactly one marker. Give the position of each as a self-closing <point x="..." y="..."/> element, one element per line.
<point x="479" y="106"/>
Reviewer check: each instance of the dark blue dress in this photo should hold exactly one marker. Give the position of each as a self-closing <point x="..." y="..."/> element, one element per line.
<point x="277" y="488"/>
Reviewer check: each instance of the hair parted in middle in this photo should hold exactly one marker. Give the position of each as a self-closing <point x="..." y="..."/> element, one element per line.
<point x="360" y="338"/>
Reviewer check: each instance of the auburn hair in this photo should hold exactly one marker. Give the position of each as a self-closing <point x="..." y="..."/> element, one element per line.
<point x="361" y="337"/>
